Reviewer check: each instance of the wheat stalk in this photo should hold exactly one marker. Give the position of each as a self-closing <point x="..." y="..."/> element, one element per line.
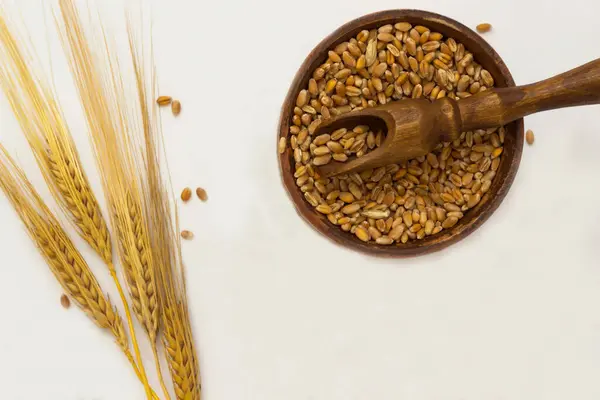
<point x="39" y="115"/>
<point x="166" y="244"/>
<point x="45" y="129"/>
<point x="61" y="255"/>
<point x="177" y="331"/>
<point x="127" y="144"/>
<point x="104" y="104"/>
<point x="104" y="98"/>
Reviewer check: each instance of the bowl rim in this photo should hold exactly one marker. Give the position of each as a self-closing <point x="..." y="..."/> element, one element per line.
<point x="501" y="183"/>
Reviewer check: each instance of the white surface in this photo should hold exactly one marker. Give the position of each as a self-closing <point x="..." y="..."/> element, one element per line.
<point x="511" y="313"/>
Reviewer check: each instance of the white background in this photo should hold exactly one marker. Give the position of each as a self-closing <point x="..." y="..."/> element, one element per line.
<point x="511" y="313"/>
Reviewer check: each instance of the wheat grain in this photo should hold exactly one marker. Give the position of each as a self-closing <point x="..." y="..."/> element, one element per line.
<point x="484" y="27"/>
<point x="186" y="194"/>
<point x="176" y="107"/>
<point x="400" y="61"/>
<point x="65" y="301"/>
<point x="201" y="193"/>
<point x="164" y="100"/>
<point x="529" y="137"/>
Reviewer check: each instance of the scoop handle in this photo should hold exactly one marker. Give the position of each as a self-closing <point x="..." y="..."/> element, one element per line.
<point x="495" y="107"/>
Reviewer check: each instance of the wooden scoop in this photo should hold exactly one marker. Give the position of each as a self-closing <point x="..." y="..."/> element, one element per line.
<point x="415" y="127"/>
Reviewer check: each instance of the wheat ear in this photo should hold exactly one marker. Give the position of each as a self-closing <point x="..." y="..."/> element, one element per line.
<point x="65" y="262"/>
<point x="48" y="135"/>
<point x="149" y="125"/>
<point x="103" y="96"/>
<point x="166" y="245"/>
<point x="136" y="257"/>
<point x="177" y="332"/>
<point x="39" y="115"/>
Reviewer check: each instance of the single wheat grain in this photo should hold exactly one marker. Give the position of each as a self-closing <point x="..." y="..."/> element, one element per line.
<point x="484" y="27"/>
<point x="201" y="193"/>
<point x="176" y="107"/>
<point x="529" y="137"/>
<point x="64" y="301"/>
<point x="164" y="100"/>
<point x="187" y="235"/>
<point x="186" y="194"/>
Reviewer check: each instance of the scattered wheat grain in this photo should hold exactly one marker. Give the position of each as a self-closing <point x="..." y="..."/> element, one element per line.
<point x="529" y="137"/>
<point x="186" y="194"/>
<point x="176" y="107"/>
<point x="201" y="193"/>
<point x="164" y="100"/>
<point x="187" y="235"/>
<point x="484" y="27"/>
<point x="65" y="302"/>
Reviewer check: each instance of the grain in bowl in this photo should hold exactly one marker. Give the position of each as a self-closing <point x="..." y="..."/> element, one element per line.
<point x="398" y="202"/>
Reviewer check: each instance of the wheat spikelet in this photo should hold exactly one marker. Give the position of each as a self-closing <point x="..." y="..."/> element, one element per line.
<point x="48" y="135"/>
<point x="80" y="202"/>
<point x="180" y="356"/>
<point x="136" y="258"/>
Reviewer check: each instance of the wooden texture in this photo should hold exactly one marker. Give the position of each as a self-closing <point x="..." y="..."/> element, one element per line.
<point x="577" y="87"/>
<point x="415" y="127"/>
<point x="513" y="145"/>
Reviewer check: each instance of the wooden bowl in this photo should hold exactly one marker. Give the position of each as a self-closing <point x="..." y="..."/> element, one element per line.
<point x="513" y="145"/>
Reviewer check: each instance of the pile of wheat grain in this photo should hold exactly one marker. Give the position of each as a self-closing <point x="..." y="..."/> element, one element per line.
<point x="398" y="202"/>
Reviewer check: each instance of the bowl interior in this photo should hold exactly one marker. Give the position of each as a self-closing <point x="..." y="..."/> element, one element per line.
<point x="513" y="145"/>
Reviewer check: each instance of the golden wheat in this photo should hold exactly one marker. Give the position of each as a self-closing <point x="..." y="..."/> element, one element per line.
<point x="166" y="243"/>
<point x="47" y="132"/>
<point x="39" y="115"/>
<point x="119" y="176"/>
<point x="61" y="255"/>
<point x="127" y="140"/>
<point x="177" y="332"/>
<point x="105" y="102"/>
